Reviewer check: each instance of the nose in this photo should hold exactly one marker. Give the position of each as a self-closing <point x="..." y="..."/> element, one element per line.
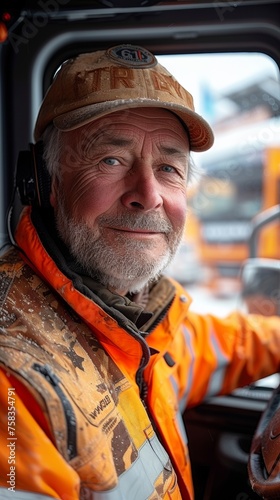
<point x="142" y="190"/>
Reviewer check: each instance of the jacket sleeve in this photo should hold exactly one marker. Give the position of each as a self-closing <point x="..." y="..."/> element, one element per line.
<point x="29" y="460"/>
<point x="223" y="354"/>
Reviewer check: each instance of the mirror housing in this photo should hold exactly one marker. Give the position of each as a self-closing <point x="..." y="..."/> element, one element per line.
<point x="261" y="286"/>
<point x="260" y="277"/>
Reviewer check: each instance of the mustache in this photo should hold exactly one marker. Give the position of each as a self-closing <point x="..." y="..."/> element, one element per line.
<point x="148" y="222"/>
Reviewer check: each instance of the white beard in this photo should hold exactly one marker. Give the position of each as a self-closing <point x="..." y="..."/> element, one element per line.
<point x="124" y="265"/>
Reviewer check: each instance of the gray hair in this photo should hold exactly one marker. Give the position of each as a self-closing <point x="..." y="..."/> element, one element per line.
<point x="194" y="172"/>
<point x="53" y="143"/>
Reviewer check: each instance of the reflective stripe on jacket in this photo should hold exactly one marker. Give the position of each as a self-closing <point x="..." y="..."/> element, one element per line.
<point x="81" y="430"/>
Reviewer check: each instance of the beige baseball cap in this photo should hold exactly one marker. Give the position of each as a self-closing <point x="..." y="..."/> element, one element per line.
<point x="122" y="77"/>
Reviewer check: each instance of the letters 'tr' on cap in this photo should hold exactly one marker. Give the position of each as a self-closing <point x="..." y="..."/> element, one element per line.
<point x="122" y="77"/>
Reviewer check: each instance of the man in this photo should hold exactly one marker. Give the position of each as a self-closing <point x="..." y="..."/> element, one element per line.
<point x="99" y="352"/>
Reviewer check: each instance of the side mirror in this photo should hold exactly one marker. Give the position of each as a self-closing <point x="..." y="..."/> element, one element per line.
<point x="260" y="277"/>
<point x="261" y="286"/>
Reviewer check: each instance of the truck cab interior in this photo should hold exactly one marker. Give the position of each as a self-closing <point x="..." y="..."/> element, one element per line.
<point x="227" y="54"/>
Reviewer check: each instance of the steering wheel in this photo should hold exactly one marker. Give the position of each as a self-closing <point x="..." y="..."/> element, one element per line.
<point x="264" y="458"/>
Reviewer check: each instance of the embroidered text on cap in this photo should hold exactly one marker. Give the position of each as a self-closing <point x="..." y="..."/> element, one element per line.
<point x="132" y="55"/>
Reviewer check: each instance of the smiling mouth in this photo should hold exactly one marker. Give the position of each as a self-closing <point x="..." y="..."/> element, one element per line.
<point x="135" y="231"/>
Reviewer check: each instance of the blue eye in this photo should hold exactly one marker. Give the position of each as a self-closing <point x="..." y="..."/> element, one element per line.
<point x="111" y="161"/>
<point x="168" y="168"/>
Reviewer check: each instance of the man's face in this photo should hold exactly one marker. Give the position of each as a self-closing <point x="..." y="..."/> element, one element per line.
<point x="120" y="202"/>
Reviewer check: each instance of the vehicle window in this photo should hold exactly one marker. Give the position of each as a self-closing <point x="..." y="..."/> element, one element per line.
<point x="236" y="180"/>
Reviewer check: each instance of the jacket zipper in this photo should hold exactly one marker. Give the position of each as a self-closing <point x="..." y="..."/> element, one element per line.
<point x="139" y="375"/>
<point x="70" y="417"/>
<point x="143" y="387"/>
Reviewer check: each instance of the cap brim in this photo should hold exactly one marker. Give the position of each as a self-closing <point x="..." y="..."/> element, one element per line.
<point x="200" y="133"/>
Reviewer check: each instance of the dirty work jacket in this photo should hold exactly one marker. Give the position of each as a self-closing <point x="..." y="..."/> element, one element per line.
<point x="89" y="408"/>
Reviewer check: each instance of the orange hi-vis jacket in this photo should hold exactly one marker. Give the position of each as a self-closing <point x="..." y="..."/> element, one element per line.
<point x="90" y="408"/>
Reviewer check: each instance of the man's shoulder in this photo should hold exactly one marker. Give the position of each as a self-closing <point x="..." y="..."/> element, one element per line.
<point x="17" y="277"/>
<point x="10" y="254"/>
<point x="10" y="262"/>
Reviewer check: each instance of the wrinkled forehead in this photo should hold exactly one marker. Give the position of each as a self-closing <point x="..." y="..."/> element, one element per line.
<point x="127" y="127"/>
<point x="157" y="120"/>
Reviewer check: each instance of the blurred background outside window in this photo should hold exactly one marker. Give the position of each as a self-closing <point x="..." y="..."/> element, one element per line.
<point x="239" y="94"/>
